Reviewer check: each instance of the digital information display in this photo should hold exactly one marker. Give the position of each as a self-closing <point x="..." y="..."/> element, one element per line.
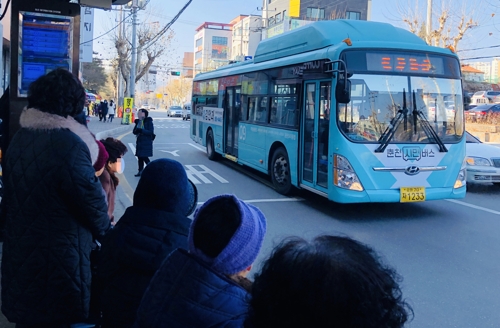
<point x="399" y="62"/>
<point x="45" y="43"/>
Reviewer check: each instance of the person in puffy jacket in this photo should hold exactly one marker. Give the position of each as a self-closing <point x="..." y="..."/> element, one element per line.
<point x="144" y="131"/>
<point x="145" y="235"/>
<point x="54" y="208"/>
<point x="207" y="286"/>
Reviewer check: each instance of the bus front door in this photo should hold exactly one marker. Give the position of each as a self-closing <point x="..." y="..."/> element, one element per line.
<point x="315" y="136"/>
<point x="232" y="111"/>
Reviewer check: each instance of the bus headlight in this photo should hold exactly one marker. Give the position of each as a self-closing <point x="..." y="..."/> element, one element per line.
<point x="462" y="176"/>
<point x="344" y="175"/>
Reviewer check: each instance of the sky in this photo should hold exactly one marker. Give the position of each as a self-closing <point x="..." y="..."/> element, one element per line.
<point x="223" y="11"/>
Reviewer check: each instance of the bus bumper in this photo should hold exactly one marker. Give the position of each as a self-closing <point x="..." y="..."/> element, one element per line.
<point x="392" y="195"/>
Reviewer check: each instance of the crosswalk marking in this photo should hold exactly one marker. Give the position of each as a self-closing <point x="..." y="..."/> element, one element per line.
<point x="194" y="174"/>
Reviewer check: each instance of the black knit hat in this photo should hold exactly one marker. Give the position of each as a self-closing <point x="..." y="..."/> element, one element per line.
<point x="164" y="186"/>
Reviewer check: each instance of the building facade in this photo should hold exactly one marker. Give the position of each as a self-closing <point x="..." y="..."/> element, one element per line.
<point x="187" y="65"/>
<point x="490" y="69"/>
<point x="246" y="36"/>
<point x="280" y="16"/>
<point x="471" y="74"/>
<point x="212" y="46"/>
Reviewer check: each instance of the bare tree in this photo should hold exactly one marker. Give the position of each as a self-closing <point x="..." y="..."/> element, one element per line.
<point x="153" y="42"/>
<point x="151" y="51"/>
<point x="452" y="21"/>
<point x="178" y="91"/>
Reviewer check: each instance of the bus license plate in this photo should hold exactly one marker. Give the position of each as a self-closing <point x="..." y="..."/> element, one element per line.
<point x="412" y="194"/>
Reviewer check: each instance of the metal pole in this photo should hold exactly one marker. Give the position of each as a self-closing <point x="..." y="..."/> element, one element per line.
<point x="118" y="75"/>
<point x="134" y="49"/>
<point x="429" y="20"/>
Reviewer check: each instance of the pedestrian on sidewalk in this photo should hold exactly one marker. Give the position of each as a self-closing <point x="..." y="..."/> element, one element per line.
<point x="115" y="164"/>
<point x="331" y="281"/>
<point x="103" y="111"/>
<point x="155" y="225"/>
<point x="207" y="286"/>
<point x="111" y="110"/>
<point x="144" y="131"/>
<point x="54" y="207"/>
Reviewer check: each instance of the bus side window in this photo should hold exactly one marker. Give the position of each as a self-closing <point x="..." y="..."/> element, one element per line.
<point x="252" y="108"/>
<point x="262" y="110"/>
<point x="291" y="106"/>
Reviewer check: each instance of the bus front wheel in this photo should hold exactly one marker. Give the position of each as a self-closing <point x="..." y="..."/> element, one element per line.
<point x="212" y="155"/>
<point x="280" y="171"/>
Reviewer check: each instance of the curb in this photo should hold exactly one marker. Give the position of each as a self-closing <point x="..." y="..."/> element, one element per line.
<point x="108" y="133"/>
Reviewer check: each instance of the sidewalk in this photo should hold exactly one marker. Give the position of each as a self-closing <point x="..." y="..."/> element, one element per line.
<point x="102" y="131"/>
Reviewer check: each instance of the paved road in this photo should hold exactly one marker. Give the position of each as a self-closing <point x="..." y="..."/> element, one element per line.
<point x="446" y="251"/>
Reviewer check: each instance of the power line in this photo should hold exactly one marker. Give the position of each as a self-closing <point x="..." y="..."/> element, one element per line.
<point x="479" y="57"/>
<point x="112" y="29"/>
<point x="495" y="46"/>
<point x="100" y="36"/>
<point x="167" y="27"/>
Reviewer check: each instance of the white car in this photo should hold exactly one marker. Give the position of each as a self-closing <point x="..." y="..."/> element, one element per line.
<point x="483" y="161"/>
<point x="174" y="111"/>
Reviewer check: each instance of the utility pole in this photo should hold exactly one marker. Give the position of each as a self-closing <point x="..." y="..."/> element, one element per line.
<point x="119" y="91"/>
<point x="134" y="49"/>
<point x="429" y="20"/>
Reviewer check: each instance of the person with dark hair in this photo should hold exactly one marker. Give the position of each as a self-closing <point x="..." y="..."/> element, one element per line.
<point x="144" y="131"/>
<point x="103" y="110"/>
<point x="329" y="282"/>
<point x="111" y="110"/>
<point x="54" y="208"/>
<point x="152" y="228"/>
<point x="115" y="164"/>
<point x="207" y="286"/>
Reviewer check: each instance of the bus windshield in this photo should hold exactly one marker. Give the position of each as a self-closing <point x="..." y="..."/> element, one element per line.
<point x="377" y="99"/>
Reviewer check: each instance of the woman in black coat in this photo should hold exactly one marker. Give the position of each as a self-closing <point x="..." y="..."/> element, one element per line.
<point x="144" y="131"/>
<point x="53" y="205"/>
<point x="149" y="230"/>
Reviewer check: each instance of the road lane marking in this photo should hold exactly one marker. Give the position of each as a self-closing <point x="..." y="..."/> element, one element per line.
<point x="197" y="147"/>
<point x="275" y="200"/>
<point x="171" y="152"/>
<point x="132" y="147"/>
<point x="194" y="174"/>
<point x="473" y="206"/>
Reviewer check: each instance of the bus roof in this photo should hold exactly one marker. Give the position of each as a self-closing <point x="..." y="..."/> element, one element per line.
<point x="322" y="34"/>
<point x="319" y="39"/>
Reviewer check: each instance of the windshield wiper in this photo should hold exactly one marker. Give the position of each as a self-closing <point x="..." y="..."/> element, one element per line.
<point x="426" y="126"/>
<point x="389" y="132"/>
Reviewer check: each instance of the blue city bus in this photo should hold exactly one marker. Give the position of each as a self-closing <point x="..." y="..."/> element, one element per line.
<point x="355" y="111"/>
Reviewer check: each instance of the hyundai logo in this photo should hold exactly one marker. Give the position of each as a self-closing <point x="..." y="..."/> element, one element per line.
<point x="412" y="170"/>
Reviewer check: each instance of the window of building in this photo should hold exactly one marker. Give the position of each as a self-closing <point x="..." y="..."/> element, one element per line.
<point x="284" y="14"/>
<point x="315" y="13"/>
<point x="221" y="40"/>
<point x="353" y="15"/>
<point x="277" y="18"/>
<point x="217" y="54"/>
<point x="199" y="42"/>
<point x="272" y="21"/>
<point x="198" y="54"/>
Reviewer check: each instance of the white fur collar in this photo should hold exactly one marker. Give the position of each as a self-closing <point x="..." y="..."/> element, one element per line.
<point x="34" y="119"/>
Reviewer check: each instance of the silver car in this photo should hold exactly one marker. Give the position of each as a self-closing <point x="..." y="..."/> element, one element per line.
<point x="174" y="111"/>
<point x="483" y="161"/>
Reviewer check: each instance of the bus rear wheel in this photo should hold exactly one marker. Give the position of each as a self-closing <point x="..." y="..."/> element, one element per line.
<point x="280" y="171"/>
<point x="211" y="153"/>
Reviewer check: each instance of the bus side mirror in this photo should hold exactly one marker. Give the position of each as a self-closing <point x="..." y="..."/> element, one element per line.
<point x="343" y="91"/>
<point x="467" y="101"/>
